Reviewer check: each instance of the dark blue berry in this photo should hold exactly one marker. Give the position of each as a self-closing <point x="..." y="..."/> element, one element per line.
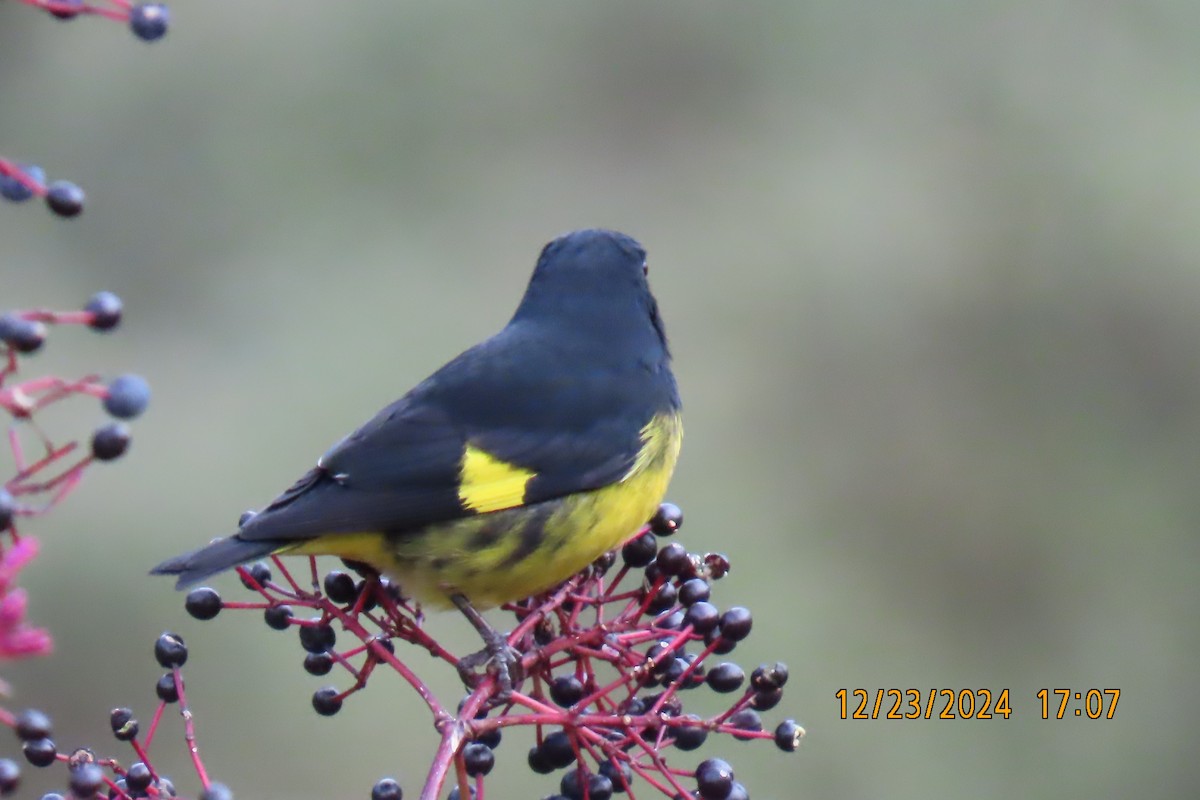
<point x="326" y="701"/>
<point x="765" y="701"/>
<point x="726" y="677"/>
<point x="666" y="520"/>
<point x="690" y="737"/>
<point x="166" y="689"/>
<point x="257" y="576"/>
<point x="657" y="653"/>
<point x="640" y="551"/>
<point x="317" y="638"/>
<point x="693" y="591"/>
<point x="31" y="724"/>
<point x="634" y="707"/>
<point x="149" y="21"/>
<point x="12" y="189"/>
<point x="697" y="675"/>
<point x="110" y="441"/>
<point x="39" y="752"/>
<point x="788" y="735"/>
<point x="478" y="758"/>
<point x="663" y="599"/>
<point x="386" y="789"/>
<point x="618" y="773"/>
<point x="672" y="559"/>
<point x="278" y="617"/>
<point x="736" y="624"/>
<point x="22" y="335"/>
<point x="124" y="725"/>
<point x="573" y="783"/>
<point x="566" y="690"/>
<point x="490" y="737"/>
<point x="203" y="603"/>
<point x="339" y="587"/>
<point x="672" y="621"/>
<point x="538" y="762"/>
<point x="65" y="198"/>
<point x="738" y="792"/>
<point x="604" y="563"/>
<point x="557" y="750"/>
<point x="170" y="650"/>
<point x="128" y="396"/>
<point x="703" y="616"/>
<point x="105" y="308"/>
<point x="10" y="776"/>
<point x="769" y="676"/>
<point x="318" y="663"/>
<point x="370" y="601"/>
<point x="674" y="671"/>
<point x="86" y="779"/>
<point x="714" y="779"/>
<point x="139" y="777"/>
<point x="719" y="644"/>
<point x="747" y="719"/>
<point x="386" y="644"/>
<point x="599" y="787"/>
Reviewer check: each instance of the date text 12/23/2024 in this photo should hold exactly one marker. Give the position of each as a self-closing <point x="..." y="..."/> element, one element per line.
<point x="972" y="703"/>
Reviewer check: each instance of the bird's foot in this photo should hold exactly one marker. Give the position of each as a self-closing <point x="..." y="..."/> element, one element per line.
<point x="498" y="659"/>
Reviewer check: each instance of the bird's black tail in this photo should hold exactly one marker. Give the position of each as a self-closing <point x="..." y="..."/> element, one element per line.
<point x="214" y="557"/>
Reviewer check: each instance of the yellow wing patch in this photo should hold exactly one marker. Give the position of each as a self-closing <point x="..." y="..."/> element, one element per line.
<point x="661" y="438"/>
<point x="489" y="484"/>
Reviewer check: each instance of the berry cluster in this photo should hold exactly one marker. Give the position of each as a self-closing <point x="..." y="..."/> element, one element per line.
<point x="607" y="659"/>
<point x="44" y="478"/>
<point x="23" y="333"/>
<point x="90" y="776"/>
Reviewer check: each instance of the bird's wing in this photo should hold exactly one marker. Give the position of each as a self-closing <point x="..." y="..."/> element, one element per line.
<point x="473" y="438"/>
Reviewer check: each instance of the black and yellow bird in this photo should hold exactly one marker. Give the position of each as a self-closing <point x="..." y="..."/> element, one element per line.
<point x="509" y="469"/>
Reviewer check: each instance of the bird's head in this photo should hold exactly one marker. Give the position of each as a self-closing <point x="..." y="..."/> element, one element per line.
<point x="595" y="281"/>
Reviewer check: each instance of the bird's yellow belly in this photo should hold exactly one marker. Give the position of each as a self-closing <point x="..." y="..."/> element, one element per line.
<point x="531" y="549"/>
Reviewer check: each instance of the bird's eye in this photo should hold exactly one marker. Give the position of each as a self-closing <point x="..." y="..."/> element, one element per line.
<point x="645" y="268"/>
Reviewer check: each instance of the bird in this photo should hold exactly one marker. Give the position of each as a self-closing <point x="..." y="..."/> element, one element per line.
<point x="509" y="469"/>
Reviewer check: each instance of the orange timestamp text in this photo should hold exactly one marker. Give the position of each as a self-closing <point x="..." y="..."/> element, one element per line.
<point x="971" y="703"/>
<point x="923" y="704"/>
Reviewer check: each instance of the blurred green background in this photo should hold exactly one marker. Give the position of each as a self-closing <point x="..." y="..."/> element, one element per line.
<point x="929" y="269"/>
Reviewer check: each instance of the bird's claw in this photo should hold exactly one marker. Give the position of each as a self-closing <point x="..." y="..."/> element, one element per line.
<point x="498" y="659"/>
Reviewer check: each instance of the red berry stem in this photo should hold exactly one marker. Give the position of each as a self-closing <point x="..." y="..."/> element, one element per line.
<point x="189" y="730"/>
<point x="155" y="720"/>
